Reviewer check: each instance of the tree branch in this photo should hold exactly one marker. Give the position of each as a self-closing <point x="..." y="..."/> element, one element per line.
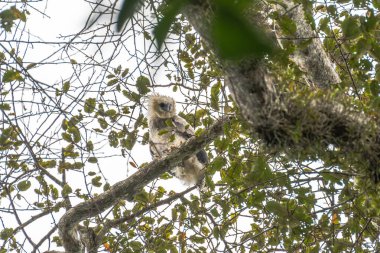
<point x="113" y="223"/>
<point x="305" y="123"/>
<point x="130" y="186"/>
<point x="311" y="58"/>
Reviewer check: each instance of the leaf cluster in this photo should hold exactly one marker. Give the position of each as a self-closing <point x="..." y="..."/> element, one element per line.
<point x="233" y="35"/>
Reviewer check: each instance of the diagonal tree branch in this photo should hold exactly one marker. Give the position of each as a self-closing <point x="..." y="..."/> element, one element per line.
<point x="311" y="58"/>
<point x="127" y="188"/>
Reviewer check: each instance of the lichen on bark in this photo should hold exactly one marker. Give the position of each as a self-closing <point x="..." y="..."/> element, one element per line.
<point x="295" y="124"/>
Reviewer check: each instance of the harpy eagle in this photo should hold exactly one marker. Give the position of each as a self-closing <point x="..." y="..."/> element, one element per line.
<point x="167" y="130"/>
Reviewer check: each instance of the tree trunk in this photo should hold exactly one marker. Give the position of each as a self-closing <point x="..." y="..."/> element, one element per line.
<point x="300" y="125"/>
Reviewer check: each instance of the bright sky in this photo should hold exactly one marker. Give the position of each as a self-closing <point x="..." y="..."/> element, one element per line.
<point x="66" y="18"/>
<point x="62" y="18"/>
<point x="48" y="23"/>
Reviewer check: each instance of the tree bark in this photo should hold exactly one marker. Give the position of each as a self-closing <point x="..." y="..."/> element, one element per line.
<point x="291" y="123"/>
<point x="312" y="58"/>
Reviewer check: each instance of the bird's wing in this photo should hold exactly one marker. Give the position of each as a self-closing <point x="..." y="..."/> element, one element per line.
<point x="202" y="156"/>
<point x="184" y="130"/>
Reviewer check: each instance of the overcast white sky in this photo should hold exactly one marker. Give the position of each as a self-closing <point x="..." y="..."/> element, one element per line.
<point x="66" y="18"/>
<point x="62" y="18"/>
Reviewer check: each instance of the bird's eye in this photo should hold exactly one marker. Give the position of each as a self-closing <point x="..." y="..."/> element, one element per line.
<point x="165" y="107"/>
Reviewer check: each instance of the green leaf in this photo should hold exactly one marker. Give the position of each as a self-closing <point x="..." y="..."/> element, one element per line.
<point x="65" y="87"/>
<point x="172" y="138"/>
<point x="117" y="70"/>
<point x="12" y="75"/>
<point x="371" y="21"/>
<point x="324" y="24"/>
<point x="111" y="113"/>
<point x="169" y="123"/>
<point x="24" y="185"/>
<point x="174" y="214"/>
<point x="136" y="246"/>
<point x="5" y="107"/>
<point x="363" y="46"/>
<point x="6" y="233"/>
<point x="216" y="232"/>
<point x="374" y="88"/>
<point x="375" y="51"/>
<point x="351" y="27"/>
<point x="261" y="163"/>
<point x="145" y="138"/>
<point x="75" y="133"/>
<point x="142" y="84"/>
<point x="67" y="137"/>
<point x="376" y="4"/>
<point x="125" y="110"/>
<point x="89" y="105"/>
<point x="103" y="123"/>
<point x="54" y="192"/>
<point x="112" y="82"/>
<point x="106" y="187"/>
<point x="90" y="146"/>
<point x="200" y="113"/>
<point x="125" y="72"/>
<point x="48" y="164"/>
<point x="66" y="190"/>
<point x="287" y="25"/>
<point x="139" y="121"/>
<point x="221" y="144"/>
<point x="215" y="212"/>
<point x="96" y="181"/>
<point x="31" y="65"/>
<point x="113" y="140"/>
<point x="218" y="163"/>
<point x="78" y="165"/>
<point x="163" y="131"/>
<point x="215" y="90"/>
<point x="197" y="239"/>
<point x="234" y="37"/>
<point x="128" y="9"/>
<point x="161" y="30"/>
<point x="8" y="17"/>
<point x="130" y="141"/>
<point x="205" y="230"/>
<point x="142" y="196"/>
<point x="133" y="96"/>
<point x="92" y="160"/>
<point x="276" y="208"/>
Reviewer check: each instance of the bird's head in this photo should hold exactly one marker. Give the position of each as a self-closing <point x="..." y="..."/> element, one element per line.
<point x="161" y="106"/>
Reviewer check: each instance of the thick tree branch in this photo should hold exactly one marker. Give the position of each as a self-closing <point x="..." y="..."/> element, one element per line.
<point x="308" y="124"/>
<point x="311" y="58"/>
<point x="127" y="188"/>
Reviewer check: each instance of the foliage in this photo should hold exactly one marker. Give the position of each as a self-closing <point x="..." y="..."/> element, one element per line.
<point x="232" y="34"/>
<point x="66" y="139"/>
<point x="9" y="16"/>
